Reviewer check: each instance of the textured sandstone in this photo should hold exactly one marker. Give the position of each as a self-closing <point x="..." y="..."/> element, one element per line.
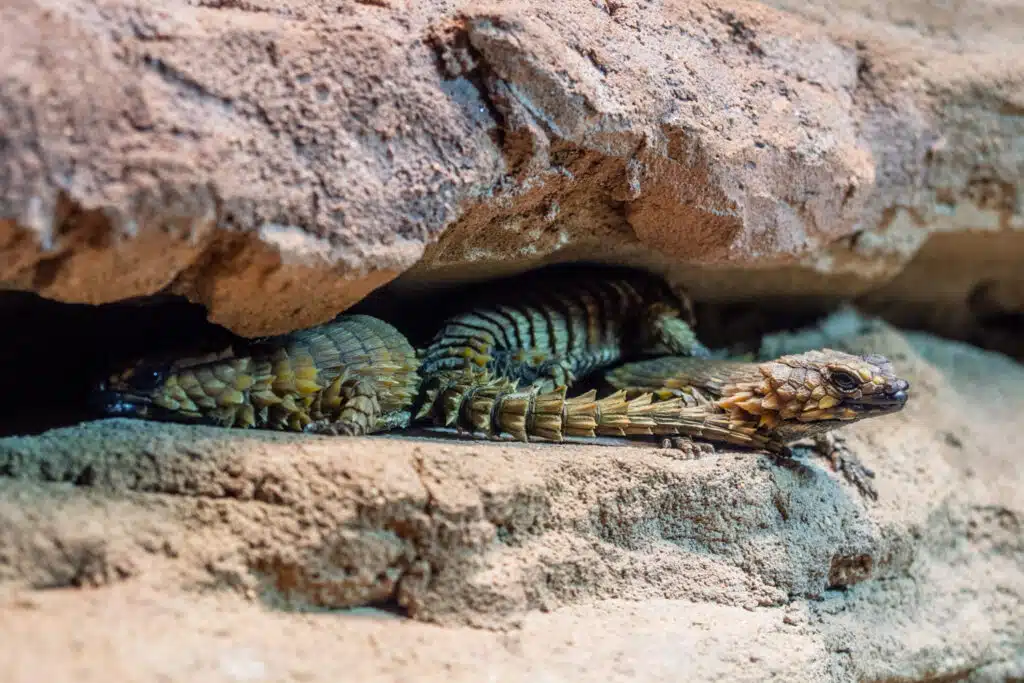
<point x="277" y="161"/>
<point x="727" y="567"/>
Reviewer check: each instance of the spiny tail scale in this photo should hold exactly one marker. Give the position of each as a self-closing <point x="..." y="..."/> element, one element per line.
<point x="477" y="402"/>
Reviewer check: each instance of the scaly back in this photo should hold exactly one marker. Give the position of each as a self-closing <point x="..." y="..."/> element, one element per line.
<point x="282" y="382"/>
<point x="552" y="326"/>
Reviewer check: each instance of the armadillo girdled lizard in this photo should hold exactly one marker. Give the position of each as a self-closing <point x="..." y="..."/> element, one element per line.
<point x="356" y="372"/>
<point x="546" y="329"/>
<point x="769" y="405"/>
<point x="360" y="375"/>
<point x="552" y="326"/>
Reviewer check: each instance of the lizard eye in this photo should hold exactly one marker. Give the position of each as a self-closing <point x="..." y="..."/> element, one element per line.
<point x="147" y="379"/>
<point x="844" y="380"/>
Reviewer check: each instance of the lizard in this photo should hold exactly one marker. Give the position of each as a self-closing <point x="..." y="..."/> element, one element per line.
<point x="356" y="371"/>
<point x="355" y="375"/>
<point x="768" y="405"/>
<point x="359" y="375"/>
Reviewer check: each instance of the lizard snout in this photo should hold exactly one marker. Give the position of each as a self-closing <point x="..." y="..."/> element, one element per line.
<point x="895" y="396"/>
<point x="898" y="391"/>
<point x="112" y="403"/>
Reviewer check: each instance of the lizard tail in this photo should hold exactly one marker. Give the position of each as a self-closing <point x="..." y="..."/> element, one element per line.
<point x="680" y="415"/>
<point x="476" y="402"/>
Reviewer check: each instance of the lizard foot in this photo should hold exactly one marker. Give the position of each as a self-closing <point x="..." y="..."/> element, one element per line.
<point x="834" y="447"/>
<point x="785" y="457"/>
<point x="335" y="428"/>
<point x="557" y="371"/>
<point x="352" y="406"/>
<point x="685" y="448"/>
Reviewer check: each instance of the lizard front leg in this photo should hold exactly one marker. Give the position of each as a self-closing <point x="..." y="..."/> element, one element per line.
<point x="664" y="326"/>
<point x="685" y="448"/>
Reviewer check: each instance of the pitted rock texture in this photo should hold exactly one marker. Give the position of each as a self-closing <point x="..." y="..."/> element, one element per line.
<point x="586" y="559"/>
<point x="277" y="161"/>
<point x="304" y="154"/>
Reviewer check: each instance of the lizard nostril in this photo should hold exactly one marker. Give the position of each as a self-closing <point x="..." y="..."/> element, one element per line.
<point x="900" y="386"/>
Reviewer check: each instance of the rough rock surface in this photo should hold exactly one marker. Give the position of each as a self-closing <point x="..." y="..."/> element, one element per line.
<point x="277" y="161"/>
<point x="202" y="550"/>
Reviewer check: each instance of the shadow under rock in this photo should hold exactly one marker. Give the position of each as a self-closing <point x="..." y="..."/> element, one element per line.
<point x="54" y="352"/>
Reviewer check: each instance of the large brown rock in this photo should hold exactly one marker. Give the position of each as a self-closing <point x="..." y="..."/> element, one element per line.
<point x="276" y="162"/>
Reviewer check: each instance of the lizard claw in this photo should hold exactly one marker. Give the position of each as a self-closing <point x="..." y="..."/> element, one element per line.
<point x="785" y="457"/>
<point x="685" y="448"/>
<point x="834" y="448"/>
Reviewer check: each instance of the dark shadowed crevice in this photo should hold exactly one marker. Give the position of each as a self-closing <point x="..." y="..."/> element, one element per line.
<point x="54" y="352"/>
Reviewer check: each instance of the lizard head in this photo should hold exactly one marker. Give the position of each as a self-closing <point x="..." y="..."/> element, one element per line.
<point x="193" y="390"/>
<point x="132" y="391"/>
<point x="809" y="393"/>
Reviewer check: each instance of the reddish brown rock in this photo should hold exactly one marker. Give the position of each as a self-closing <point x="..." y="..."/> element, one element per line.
<point x="278" y="161"/>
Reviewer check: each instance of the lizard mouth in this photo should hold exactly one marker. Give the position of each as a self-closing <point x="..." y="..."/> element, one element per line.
<point x="885" y="403"/>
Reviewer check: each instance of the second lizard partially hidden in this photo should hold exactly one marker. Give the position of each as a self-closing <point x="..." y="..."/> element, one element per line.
<point x="770" y="405"/>
<point x="505" y="360"/>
